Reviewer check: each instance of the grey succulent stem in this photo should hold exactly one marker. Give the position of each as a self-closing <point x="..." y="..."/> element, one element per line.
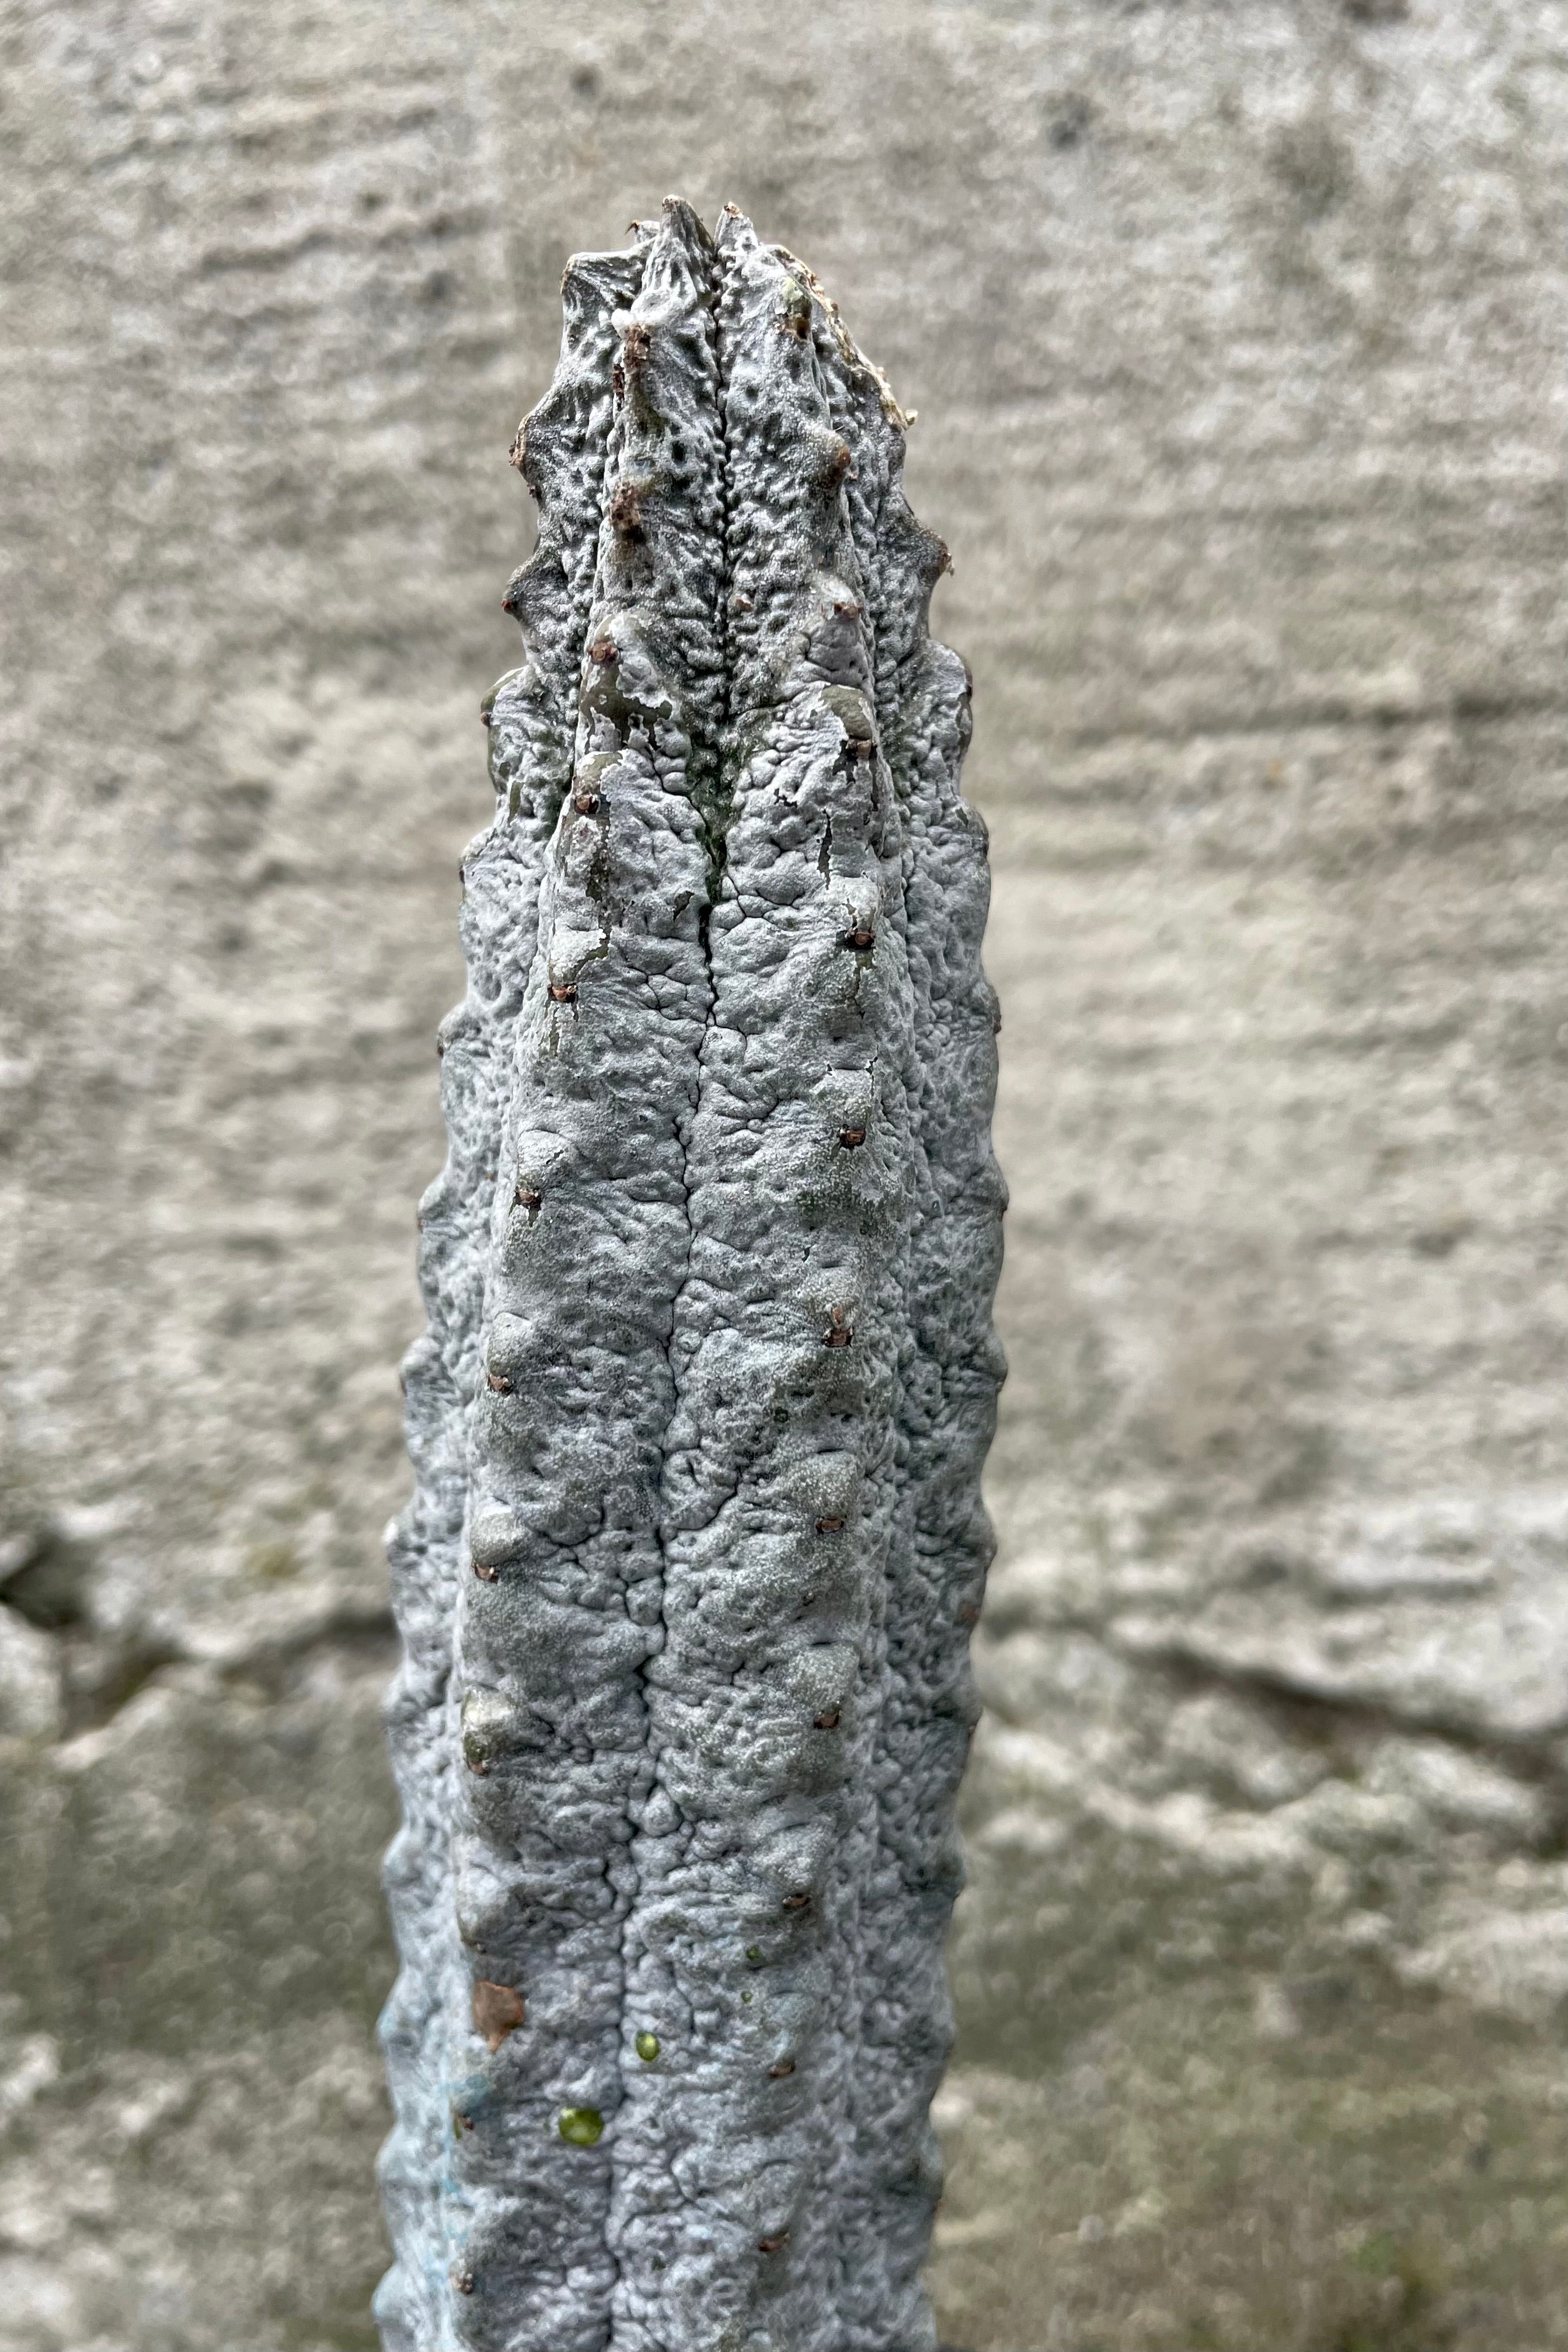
<point x="699" y="1417"/>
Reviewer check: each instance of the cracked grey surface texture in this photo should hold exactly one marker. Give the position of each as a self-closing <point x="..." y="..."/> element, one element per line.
<point x="700" y="1420"/>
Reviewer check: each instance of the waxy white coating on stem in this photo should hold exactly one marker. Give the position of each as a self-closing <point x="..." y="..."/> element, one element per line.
<point x="700" y="1420"/>
<point x="532" y="716"/>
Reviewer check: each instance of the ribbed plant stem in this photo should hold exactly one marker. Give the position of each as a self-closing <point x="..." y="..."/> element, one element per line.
<point x="687" y="1581"/>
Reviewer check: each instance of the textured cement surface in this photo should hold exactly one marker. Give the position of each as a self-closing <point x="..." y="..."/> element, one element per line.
<point x="1236" y="335"/>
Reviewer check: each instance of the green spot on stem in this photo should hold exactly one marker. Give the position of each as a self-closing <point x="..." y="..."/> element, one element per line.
<point x="581" y="2125"/>
<point x="647" y="2048"/>
<point x="754" y="1952"/>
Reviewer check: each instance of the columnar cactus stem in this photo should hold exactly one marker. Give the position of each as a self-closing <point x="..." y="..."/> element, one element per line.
<point x="699" y="1422"/>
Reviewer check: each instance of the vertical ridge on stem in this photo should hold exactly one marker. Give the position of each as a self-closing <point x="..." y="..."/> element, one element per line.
<point x="530" y="720"/>
<point x="561" y="1617"/>
<point x="778" y="1493"/>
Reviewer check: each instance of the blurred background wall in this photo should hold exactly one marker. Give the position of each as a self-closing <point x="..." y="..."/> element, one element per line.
<point x="1237" y="333"/>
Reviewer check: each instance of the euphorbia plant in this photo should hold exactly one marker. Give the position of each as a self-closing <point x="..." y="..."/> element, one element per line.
<point x="687" y="1581"/>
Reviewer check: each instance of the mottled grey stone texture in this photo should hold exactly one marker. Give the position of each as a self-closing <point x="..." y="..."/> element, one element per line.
<point x="687" y="1584"/>
<point x="1236" y="335"/>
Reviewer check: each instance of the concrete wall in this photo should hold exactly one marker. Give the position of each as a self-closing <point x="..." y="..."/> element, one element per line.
<point x="1236" y="333"/>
